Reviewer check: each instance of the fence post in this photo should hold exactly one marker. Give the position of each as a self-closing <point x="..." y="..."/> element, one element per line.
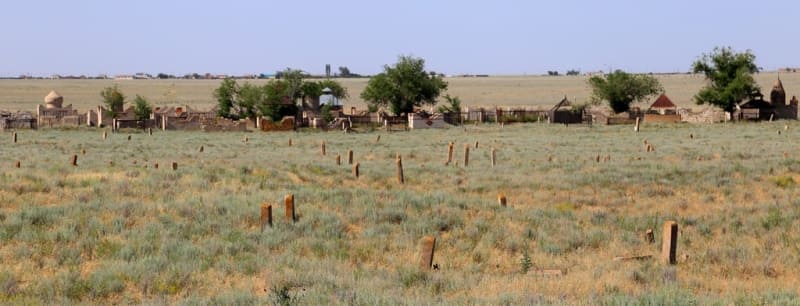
<point x="501" y="199"/>
<point x="355" y="170"/>
<point x="174" y="166"/>
<point x="494" y="156"/>
<point x="322" y="147"/>
<point x="449" y="153"/>
<point x="74" y="159"/>
<point x="15" y="137"/>
<point x="349" y="157"/>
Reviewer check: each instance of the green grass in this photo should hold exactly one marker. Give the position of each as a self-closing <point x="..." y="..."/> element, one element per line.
<point x="116" y="230"/>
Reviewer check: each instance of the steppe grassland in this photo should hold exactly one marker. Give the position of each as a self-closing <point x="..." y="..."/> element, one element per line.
<point x="116" y="230"/>
<point x="501" y="91"/>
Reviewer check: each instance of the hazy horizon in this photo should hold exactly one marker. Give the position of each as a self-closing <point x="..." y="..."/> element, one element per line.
<point x="92" y="37"/>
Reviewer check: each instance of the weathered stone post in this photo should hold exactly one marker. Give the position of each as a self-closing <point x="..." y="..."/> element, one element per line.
<point x="129" y="137"/>
<point x="15" y="137"/>
<point x="290" y="210"/>
<point x="18" y="164"/>
<point x="322" y="147"/>
<point x="105" y="135"/>
<point x="400" y="178"/>
<point x="450" y="153"/>
<point x="355" y="170"/>
<point x="349" y="157"/>
<point x="266" y="216"/>
<point x="466" y="155"/>
<point x="155" y="165"/>
<point x="636" y="127"/>
<point x="427" y="248"/>
<point x="201" y="149"/>
<point x="501" y="199"/>
<point x="290" y="141"/>
<point x="338" y="159"/>
<point x="378" y="139"/>
<point x="476" y="145"/>
<point x="669" y="242"/>
<point x="494" y="157"/>
<point x="174" y="166"/>
<point x="150" y="131"/>
<point x="74" y="159"/>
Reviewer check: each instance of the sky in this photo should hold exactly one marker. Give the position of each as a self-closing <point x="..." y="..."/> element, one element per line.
<point x="499" y="37"/>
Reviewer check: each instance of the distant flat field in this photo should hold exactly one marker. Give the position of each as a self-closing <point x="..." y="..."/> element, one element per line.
<point x="501" y="91"/>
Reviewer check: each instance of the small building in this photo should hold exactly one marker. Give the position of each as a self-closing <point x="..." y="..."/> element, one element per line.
<point x="327" y="98"/>
<point x="54" y="113"/>
<point x="663" y="106"/>
<point x="759" y="109"/>
<point x="564" y="112"/>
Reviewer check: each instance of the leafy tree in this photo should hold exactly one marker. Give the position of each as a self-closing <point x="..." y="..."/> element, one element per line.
<point x="404" y="86"/>
<point x="114" y="100"/>
<point x="621" y="89"/>
<point x="453" y="105"/>
<point x="344" y="71"/>
<point x="226" y="98"/>
<point x="277" y="102"/>
<point x="573" y="72"/>
<point x="141" y="108"/>
<point x="249" y="100"/>
<point x="729" y="75"/>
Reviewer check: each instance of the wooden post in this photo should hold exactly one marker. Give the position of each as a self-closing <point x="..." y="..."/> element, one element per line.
<point x="501" y="199"/>
<point x="290" y="141"/>
<point x="129" y="137"/>
<point x="105" y="135"/>
<point x="400" y="178"/>
<point x="450" y="153"/>
<point x="494" y="157"/>
<point x="18" y="164"/>
<point x="669" y="242"/>
<point x="150" y="131"/>
<point x="15" y="137"/>
<point x="201" y="148"/>
<point x="174" y="166"/>
<point x="378" y="139"/>
<point x="322" y="147"/>
<point x="349" y="157"/>
<point x="246" y="139"/>
<point x="427" y="248"/>
<point x="338" y="159"/>
<point x="74" y="160"/>
<point x="466" y="155"/>
<point x="355" y="170"/>
<point x="476" y="145"/>
<point x="290" y="211"/>
<point x="155" y="165"/>
<point x="266" y="216"/>
<point x="83" y="151"/>
<point x="636" y="127"/>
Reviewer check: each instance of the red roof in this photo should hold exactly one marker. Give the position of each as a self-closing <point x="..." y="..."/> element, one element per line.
<point x="663" y="102"/>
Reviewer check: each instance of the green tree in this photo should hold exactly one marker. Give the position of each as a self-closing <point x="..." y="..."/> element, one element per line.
<point x="404" y="86"/>
<point x="249" y="100"/>
<point x="114" y="100"/>
<point x="141" y="108"/>
<point x="453" y="105"/>
<point x="621" y="89"/>
<point x="277" y="101"/>
<point x="729" y="75"/>
<point x="226" y="95"/>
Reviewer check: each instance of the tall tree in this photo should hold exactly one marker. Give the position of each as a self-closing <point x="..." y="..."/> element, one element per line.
<point x="114" y="100"/>
<point x="729" y="75"/>
<point x="404" y="86"/>
<point x="621" y="89"/>
<point x="226" y="98"/>
<point x="141" y="108"/>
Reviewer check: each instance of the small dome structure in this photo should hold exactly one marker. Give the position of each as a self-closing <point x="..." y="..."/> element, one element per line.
<point x="778" y="94"/>
<point x="53" y="100"/>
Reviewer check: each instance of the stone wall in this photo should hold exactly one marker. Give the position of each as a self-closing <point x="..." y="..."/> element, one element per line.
<point x="656" y="118"/>
<point x="286" y="124"/>
<point x="708" y="115"/>
<point x="432" y="122"/>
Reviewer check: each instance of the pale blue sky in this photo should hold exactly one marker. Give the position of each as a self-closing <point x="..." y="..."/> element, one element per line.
<point x="493" y="37"/>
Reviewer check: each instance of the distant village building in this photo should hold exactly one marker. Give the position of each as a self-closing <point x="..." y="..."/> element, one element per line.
<point x="53" y="113"/>
<point x="663" y="111"/>
<point x="18" y="120"/>
<point x="327" y="98"/>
